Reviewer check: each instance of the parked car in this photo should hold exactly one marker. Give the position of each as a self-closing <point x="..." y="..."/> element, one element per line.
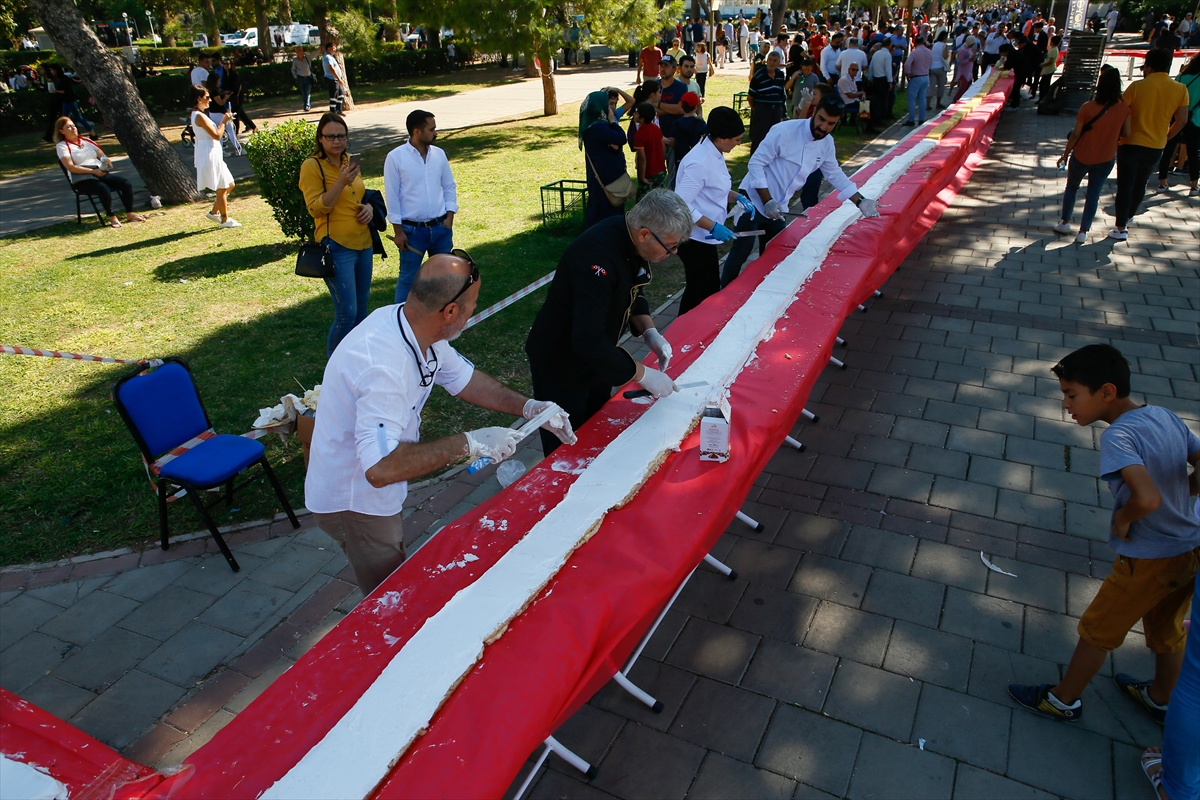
<point x="246" y="38"/>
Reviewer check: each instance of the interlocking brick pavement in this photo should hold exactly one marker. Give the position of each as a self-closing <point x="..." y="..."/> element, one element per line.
<point x="863" y="612"/>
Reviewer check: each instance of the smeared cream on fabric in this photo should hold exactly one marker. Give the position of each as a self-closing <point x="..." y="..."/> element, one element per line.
<point x="361" y="748"/>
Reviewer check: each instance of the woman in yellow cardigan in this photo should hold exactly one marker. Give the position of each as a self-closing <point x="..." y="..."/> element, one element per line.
<point x="333" y="191"/>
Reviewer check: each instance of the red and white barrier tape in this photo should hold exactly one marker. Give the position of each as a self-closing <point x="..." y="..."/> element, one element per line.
<point x="31" y="351"/>
<point x="508" y="301"/>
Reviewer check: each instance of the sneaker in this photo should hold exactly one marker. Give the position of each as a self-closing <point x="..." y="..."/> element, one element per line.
<point x="1062" y="227"/>
<point x="909" y="123"/>
<point x="1081" y="239"/>
<point x="1119" y="235"/>
<point x="231" y="223"/>
<point x="1160" y="189"/>
<point x="1139" y="691"/>
<point x="213" y="217"/>
<point x="1037" y="700"/>
<point x="1194" y="192"/>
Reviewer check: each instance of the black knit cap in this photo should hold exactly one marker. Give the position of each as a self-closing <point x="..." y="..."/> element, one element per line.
<point x="725" y="123"/>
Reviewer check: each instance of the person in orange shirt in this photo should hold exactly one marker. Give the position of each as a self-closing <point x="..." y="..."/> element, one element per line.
<point x="1158" y="111"/>
<point x="1092" y="149"/>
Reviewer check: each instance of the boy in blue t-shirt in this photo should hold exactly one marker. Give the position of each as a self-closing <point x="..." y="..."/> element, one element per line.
<point x="1144" y="455"/>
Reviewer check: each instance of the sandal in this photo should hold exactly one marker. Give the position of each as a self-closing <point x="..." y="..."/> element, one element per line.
<point x="1152" y="758"/>
<point x="134" y="218"/>
<point x="113" y="222"/>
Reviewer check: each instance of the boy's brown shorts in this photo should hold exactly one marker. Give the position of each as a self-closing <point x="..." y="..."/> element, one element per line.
<point x="1157" y="591"/>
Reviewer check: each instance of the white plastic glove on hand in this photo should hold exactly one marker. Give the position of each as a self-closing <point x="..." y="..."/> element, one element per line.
<point x="867" y="207"/>
<point x="658" y="383"/>
<point x="559" y="424"/>
<point x="494" y="443"/>
<point x="774" y="209"/>
<point x="659" y="344"/>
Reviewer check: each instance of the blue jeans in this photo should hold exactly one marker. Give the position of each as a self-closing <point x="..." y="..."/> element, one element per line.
<point x="742" y="247"/>
<point x="918" y="85"/>
<point x="1181" y="734"/>
<point x="433" y="241"/>
<point x="349" y="288"/>
<point x="305" y="84"/>
<point x="1096" y="174"/>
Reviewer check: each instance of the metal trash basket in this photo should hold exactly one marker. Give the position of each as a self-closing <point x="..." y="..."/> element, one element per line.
<point x="563" y="202"/>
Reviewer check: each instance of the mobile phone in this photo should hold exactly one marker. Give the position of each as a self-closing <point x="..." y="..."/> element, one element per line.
<point x="355" y="158"/>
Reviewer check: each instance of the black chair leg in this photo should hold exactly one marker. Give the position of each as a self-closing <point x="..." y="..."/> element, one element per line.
<point x="229" y="493"/>
<point x="287" y="507"/>
<point x="212" y="527"/>
<point x="78" y="209"/>
<point x="162" y="515"/>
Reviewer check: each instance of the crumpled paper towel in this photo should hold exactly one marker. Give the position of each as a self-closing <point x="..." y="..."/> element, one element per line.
<point x="283" y="412"/>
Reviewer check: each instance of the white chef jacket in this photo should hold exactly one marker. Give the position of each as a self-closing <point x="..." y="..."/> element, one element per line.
<point x="418" y="189"/>
<point x="704" y="184"/>
<point x="371" y="400"/>
<point x="785" y="159"/>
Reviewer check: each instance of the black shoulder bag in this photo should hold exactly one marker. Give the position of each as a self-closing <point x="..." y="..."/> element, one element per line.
<point x="315" y="259"/>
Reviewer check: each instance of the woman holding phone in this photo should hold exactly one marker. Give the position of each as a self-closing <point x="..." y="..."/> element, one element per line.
<point x="333" y="191"/>
<point x="211" y="172"/>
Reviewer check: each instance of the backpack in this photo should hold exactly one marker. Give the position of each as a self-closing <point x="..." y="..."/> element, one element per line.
<point x="1052" y="104"/>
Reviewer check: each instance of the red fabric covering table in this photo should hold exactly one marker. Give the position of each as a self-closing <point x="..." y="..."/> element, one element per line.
<point x="572" y="639"/>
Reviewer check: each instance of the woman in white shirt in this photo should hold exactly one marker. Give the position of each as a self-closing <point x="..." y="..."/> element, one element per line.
<point x="704" y="65"/>
<point x="937" y="70"/>
<point x="705" y="185"/>
<point x="211" y="172"/>
<point x="91" y="170"/>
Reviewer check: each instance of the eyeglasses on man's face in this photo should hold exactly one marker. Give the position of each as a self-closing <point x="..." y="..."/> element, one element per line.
<point x="670" y="250"/>
<point x="471" y="278"/>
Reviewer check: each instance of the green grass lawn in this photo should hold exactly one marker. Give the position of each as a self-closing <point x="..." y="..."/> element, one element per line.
<point x="226" y="301"/>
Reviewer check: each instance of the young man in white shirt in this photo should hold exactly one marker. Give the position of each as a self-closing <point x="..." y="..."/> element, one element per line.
<point x="199" y="73"/>
<point x="366" y="443"/>
<point x="791" y="151"/>
<point x="421" y="197"/>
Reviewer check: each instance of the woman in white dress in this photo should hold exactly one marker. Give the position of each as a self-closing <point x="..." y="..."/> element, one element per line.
<point x="211" y="172"/>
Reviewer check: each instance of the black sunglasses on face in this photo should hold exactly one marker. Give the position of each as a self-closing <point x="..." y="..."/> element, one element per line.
<point x="474" y="276"/>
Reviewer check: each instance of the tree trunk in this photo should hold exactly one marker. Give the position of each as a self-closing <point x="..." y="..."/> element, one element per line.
<point x="208" y="16"/>
<point x="106" y="75"/>
<point x="778" y="9"/>
<point x="531" y="70"/>
<point x="549" y="91"/>
<point x="265" y="42"/>
<point x="285" y="12"/>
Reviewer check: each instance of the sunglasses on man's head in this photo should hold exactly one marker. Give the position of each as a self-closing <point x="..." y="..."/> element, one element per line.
<point x="472" y="278"/>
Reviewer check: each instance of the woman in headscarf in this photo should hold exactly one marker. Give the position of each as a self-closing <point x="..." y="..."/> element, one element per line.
<point x="603" y="145"/>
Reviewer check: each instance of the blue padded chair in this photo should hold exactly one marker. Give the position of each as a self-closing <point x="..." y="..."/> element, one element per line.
<point x="163" y="411"/>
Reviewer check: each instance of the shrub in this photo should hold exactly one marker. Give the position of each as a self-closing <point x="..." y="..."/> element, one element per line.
<point x="276" y="153"/>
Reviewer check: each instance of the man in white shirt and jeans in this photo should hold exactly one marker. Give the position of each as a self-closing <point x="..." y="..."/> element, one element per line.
<point x="366" y="443"/>
<point x="421" y="198"/>
<point x="792" y="150"/>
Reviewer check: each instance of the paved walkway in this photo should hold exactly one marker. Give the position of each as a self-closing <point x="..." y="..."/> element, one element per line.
<point x="863" y="621"/>
<point x="44" y="198"/>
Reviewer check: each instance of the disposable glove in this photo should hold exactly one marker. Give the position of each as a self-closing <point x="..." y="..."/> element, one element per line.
<point x="720" y="233"/>
<point x="559" y="424"/>
<point x="658" y="343"/>
<point x="494" y="443"/>
<point x="657" y="383"/>
<point x="774" y="209"/>
<point x="745" y="203"/>
<point x="867" y="207"/>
